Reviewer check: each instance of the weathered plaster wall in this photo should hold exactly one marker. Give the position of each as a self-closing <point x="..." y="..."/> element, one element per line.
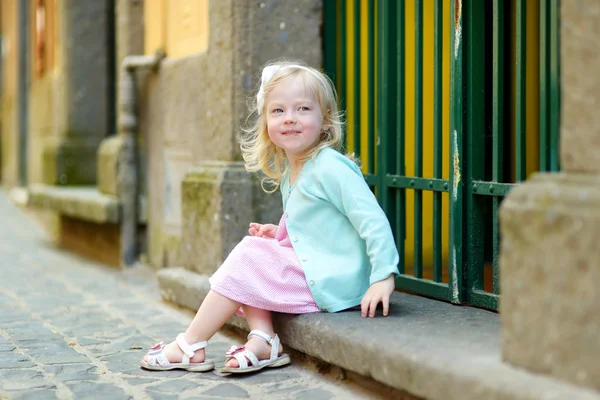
<point x="196" y="105"/>
<point x="580" y="80"/>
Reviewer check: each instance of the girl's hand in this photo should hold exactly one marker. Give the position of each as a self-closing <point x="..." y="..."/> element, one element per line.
<point x="263" y="230"/>
<point x="379" y="292"/>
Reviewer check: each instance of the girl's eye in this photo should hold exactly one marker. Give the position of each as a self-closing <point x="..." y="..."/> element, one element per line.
<point x="304" y="108"/>
<point x="277" y="111"/>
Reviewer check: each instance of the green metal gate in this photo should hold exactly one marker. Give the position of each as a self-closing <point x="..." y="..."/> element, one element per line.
<point x="449" y="105"/>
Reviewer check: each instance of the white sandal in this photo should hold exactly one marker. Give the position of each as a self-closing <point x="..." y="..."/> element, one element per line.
<point x="158" y="361"/>
<point x="243" y="355"/>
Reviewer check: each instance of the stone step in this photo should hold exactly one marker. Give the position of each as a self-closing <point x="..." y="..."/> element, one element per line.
<point x="431" y="349"/>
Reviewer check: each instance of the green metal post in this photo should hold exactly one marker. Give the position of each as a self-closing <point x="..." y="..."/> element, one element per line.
<point x="418" y="194"/>
<point x="474" y="160"/>
<point x="521" y="95"/>
<point x="329" y="38"/>
<point x="371" y="84"/>
<point x="342" y="64"/>
<point x="554" y="85"/>
<point x="456" y="153"/>
<point x="497" y="128"/>
<point x="357" y="97"/>
<point x="400" y="136"/>
<point x="544" y="86"/>
<point x="437" y="140"/>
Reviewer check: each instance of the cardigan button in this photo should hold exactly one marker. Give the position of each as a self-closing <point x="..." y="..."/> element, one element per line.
<point x="304" y="258"/>
<point x="295" y="239"/>
<point x="312" y="282"/>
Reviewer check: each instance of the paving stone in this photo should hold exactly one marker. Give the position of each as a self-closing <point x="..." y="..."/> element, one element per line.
<point x="124" y="360"/>
<point x="20" y="383"/>
<point x="136" y="370"/>
<point x="73" y="372"/>
<point x="7" y="318"/>
<point x="36" y="395"/>
<point x="161" y="396"/>
<point x="267" y="376"/>
<point x="100" y="391"/>
<point x="227" y="390"/>
<point x="314" y="394"/>
<point x="174" y="386"/>
<point x="4" y="299"/>
<point x="85" y="341"/>
<point x="41" y="346"/>
<point x="7" y="347"/>
<point x="142" y="381"/>
<point x="14" y="360"/>
<point x="9" y="374"/>
<point x="135" y="341"/>
<point x="286" y="390"/>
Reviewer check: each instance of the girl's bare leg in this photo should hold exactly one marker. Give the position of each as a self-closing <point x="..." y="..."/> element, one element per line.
<point x="261" y="320"/>
<point x="214" y="311"/>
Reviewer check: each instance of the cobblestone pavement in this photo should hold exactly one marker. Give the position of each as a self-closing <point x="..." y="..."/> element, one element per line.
<point x="73" y="329"/>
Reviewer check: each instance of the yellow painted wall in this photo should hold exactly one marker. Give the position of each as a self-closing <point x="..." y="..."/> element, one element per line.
<point x="180" y="27"/>
<point x="10" y="43"/>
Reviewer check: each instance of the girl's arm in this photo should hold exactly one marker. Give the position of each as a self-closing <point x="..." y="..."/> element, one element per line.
<point x="347" y="190"/>
<point x="263" y="230"/>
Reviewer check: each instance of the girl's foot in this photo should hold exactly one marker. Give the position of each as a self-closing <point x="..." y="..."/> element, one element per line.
<point x="259" y="347"/>
<point x="177" y="355"/>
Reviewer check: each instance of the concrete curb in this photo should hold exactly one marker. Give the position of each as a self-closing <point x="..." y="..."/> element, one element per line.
<point x="428" y="348"/>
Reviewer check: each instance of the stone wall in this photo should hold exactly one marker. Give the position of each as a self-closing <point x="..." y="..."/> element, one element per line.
<point x="549" y="255"/>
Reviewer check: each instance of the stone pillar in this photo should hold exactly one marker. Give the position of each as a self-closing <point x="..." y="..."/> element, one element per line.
<point x="129" y="18"/>
<point x="218" y="200"/>
<point x="84" y="93"/>
<point x="550" y="226"/>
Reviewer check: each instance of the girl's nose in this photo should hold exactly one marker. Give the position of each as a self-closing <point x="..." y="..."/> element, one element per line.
<point x="290" y="117"/>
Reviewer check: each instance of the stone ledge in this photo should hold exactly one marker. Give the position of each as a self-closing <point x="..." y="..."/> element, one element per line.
<point x="428" y="348"/>
<point x="81" y="202"/>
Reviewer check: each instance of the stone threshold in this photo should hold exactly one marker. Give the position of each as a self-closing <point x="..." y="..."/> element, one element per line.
<point x="86" y="203"/>
<point x="428" y="348"/>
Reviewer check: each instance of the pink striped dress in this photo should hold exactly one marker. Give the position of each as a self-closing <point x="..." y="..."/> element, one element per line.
<point x="266" y="274"/>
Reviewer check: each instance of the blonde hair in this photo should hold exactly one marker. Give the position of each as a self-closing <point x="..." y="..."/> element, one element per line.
<point x="260" y="154"/>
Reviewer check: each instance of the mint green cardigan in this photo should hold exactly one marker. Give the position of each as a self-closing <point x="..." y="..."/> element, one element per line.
<point x="338" y="230"/>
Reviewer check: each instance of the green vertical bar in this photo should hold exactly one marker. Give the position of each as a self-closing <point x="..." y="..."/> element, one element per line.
<point x="456" y="154"/>
<point x="437" y="139"/>
<point x="554" y="85"/>
<point x="383" y="106"/>
<point x="329" y="38"/>
<point x="400" y="140"/>
<point x="418" y="194"/>
<point x="475" y="144"/>
<point x="544" y="126"/>
<point x="371" y="84"/>
<point x="521" y="95"/>
<point x="497" y="127"/>
<point x="357" y="97"/>
<point x="386" y="47"/>
<point x="342" y="66"/>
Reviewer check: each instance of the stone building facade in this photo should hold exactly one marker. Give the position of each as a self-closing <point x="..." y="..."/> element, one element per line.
<point x="92" y="89"/>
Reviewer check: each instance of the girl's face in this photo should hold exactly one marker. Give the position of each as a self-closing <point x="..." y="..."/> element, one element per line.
<point x="294" y="117"/>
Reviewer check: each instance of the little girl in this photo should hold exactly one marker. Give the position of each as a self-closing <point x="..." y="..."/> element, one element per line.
<point x="333" y="248"/>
